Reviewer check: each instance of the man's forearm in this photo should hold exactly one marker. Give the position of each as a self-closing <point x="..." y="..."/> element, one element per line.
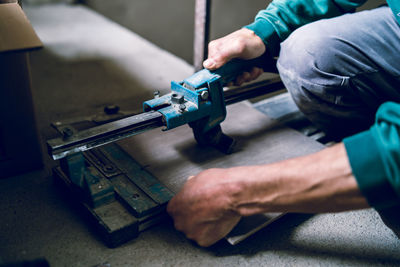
<point x="321" y="182"/>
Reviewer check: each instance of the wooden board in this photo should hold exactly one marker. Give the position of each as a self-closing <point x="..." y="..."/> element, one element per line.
<point x="174" y="155"/>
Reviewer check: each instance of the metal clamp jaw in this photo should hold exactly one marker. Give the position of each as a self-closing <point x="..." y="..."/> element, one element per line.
<point x="197" y="97"/>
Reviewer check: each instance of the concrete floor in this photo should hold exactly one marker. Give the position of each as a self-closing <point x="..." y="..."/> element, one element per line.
<point x="88" y="62"/>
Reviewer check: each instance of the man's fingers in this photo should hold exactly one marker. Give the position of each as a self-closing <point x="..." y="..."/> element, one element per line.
<point x="242" y="78"/>
<point x="255" y="73"/>
<point x="248" y="76"/>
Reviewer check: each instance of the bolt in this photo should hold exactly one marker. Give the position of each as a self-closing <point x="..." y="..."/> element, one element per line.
<point x="182" y="108"/>
<point x="111" y="109"/>
<point x="67" y="132"/>
<point x="204" y="95"/>
<point x="108" y="168"/>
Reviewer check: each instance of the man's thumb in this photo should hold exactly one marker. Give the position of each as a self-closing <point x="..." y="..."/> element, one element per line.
<point x="209" y="64"/>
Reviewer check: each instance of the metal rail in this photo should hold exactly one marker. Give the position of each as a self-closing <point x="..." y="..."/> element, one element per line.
<point x="103" y="134"/>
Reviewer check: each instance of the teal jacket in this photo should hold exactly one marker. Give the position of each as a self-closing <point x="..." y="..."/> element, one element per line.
<point x="374" y="155"/>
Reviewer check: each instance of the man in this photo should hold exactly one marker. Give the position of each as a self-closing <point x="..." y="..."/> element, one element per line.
<point x="341" y="69"/>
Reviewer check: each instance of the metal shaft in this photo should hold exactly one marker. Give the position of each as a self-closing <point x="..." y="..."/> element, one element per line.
<point x="104" y="134"/>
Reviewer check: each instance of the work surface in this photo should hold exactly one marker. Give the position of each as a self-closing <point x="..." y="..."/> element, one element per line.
<point x="91" y="61"/>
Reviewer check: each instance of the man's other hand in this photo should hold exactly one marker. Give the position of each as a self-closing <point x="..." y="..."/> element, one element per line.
<point x="203" y="209"/>
<point x="244" y="44"/>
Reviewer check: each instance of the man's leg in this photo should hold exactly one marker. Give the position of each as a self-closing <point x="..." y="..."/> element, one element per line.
<point x="340" y="70"/>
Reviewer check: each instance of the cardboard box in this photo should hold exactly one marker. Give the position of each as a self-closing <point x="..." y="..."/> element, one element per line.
<point x="19" y="143"/>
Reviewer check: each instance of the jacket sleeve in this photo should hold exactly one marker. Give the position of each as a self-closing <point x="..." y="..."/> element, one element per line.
<point x="281" y="17"/>
<point x="374" y="157"/>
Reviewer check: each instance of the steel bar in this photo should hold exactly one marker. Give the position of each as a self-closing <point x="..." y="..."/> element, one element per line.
<point x="252" y="90"/>
<point x="201" y="32"/>
<point x="104" y="134"/>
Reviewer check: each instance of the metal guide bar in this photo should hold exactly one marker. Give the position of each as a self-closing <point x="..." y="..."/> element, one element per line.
<point x="104" y="134"/>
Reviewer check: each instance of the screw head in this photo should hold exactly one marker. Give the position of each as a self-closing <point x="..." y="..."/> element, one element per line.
<point x="111" y="109"/>
<point x="67" y="132"/>
<point x="182" y="108"/>
<point x="204" y="95"/>
<point x="108" y="168"/>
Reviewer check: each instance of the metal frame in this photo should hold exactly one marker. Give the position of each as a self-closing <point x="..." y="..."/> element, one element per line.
<point x="201" y="32"/>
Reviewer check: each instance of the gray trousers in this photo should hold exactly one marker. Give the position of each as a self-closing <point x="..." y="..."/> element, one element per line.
<point x="340" y="70"/>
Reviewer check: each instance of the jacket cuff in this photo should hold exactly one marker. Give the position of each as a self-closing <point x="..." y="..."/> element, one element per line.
<point x="263" y="29"/>
<point x="368" y="168"/>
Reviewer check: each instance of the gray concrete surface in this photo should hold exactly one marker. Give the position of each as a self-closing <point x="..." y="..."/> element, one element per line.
<point x="90" y="61"/>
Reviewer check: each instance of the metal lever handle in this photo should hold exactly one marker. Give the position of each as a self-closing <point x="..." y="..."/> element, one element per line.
<point x="235" y="67"/>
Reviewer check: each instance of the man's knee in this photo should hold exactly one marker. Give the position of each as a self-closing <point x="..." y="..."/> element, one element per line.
<point x="315" y="73"/>
<point x="311" y="56"/>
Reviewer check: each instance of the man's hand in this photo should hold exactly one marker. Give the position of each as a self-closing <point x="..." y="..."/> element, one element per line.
<point x="244" y="44"/>
<point x="203" y="209"/>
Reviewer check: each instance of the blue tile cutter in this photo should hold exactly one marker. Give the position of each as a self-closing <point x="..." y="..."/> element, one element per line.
<point x="102" y="176"/>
